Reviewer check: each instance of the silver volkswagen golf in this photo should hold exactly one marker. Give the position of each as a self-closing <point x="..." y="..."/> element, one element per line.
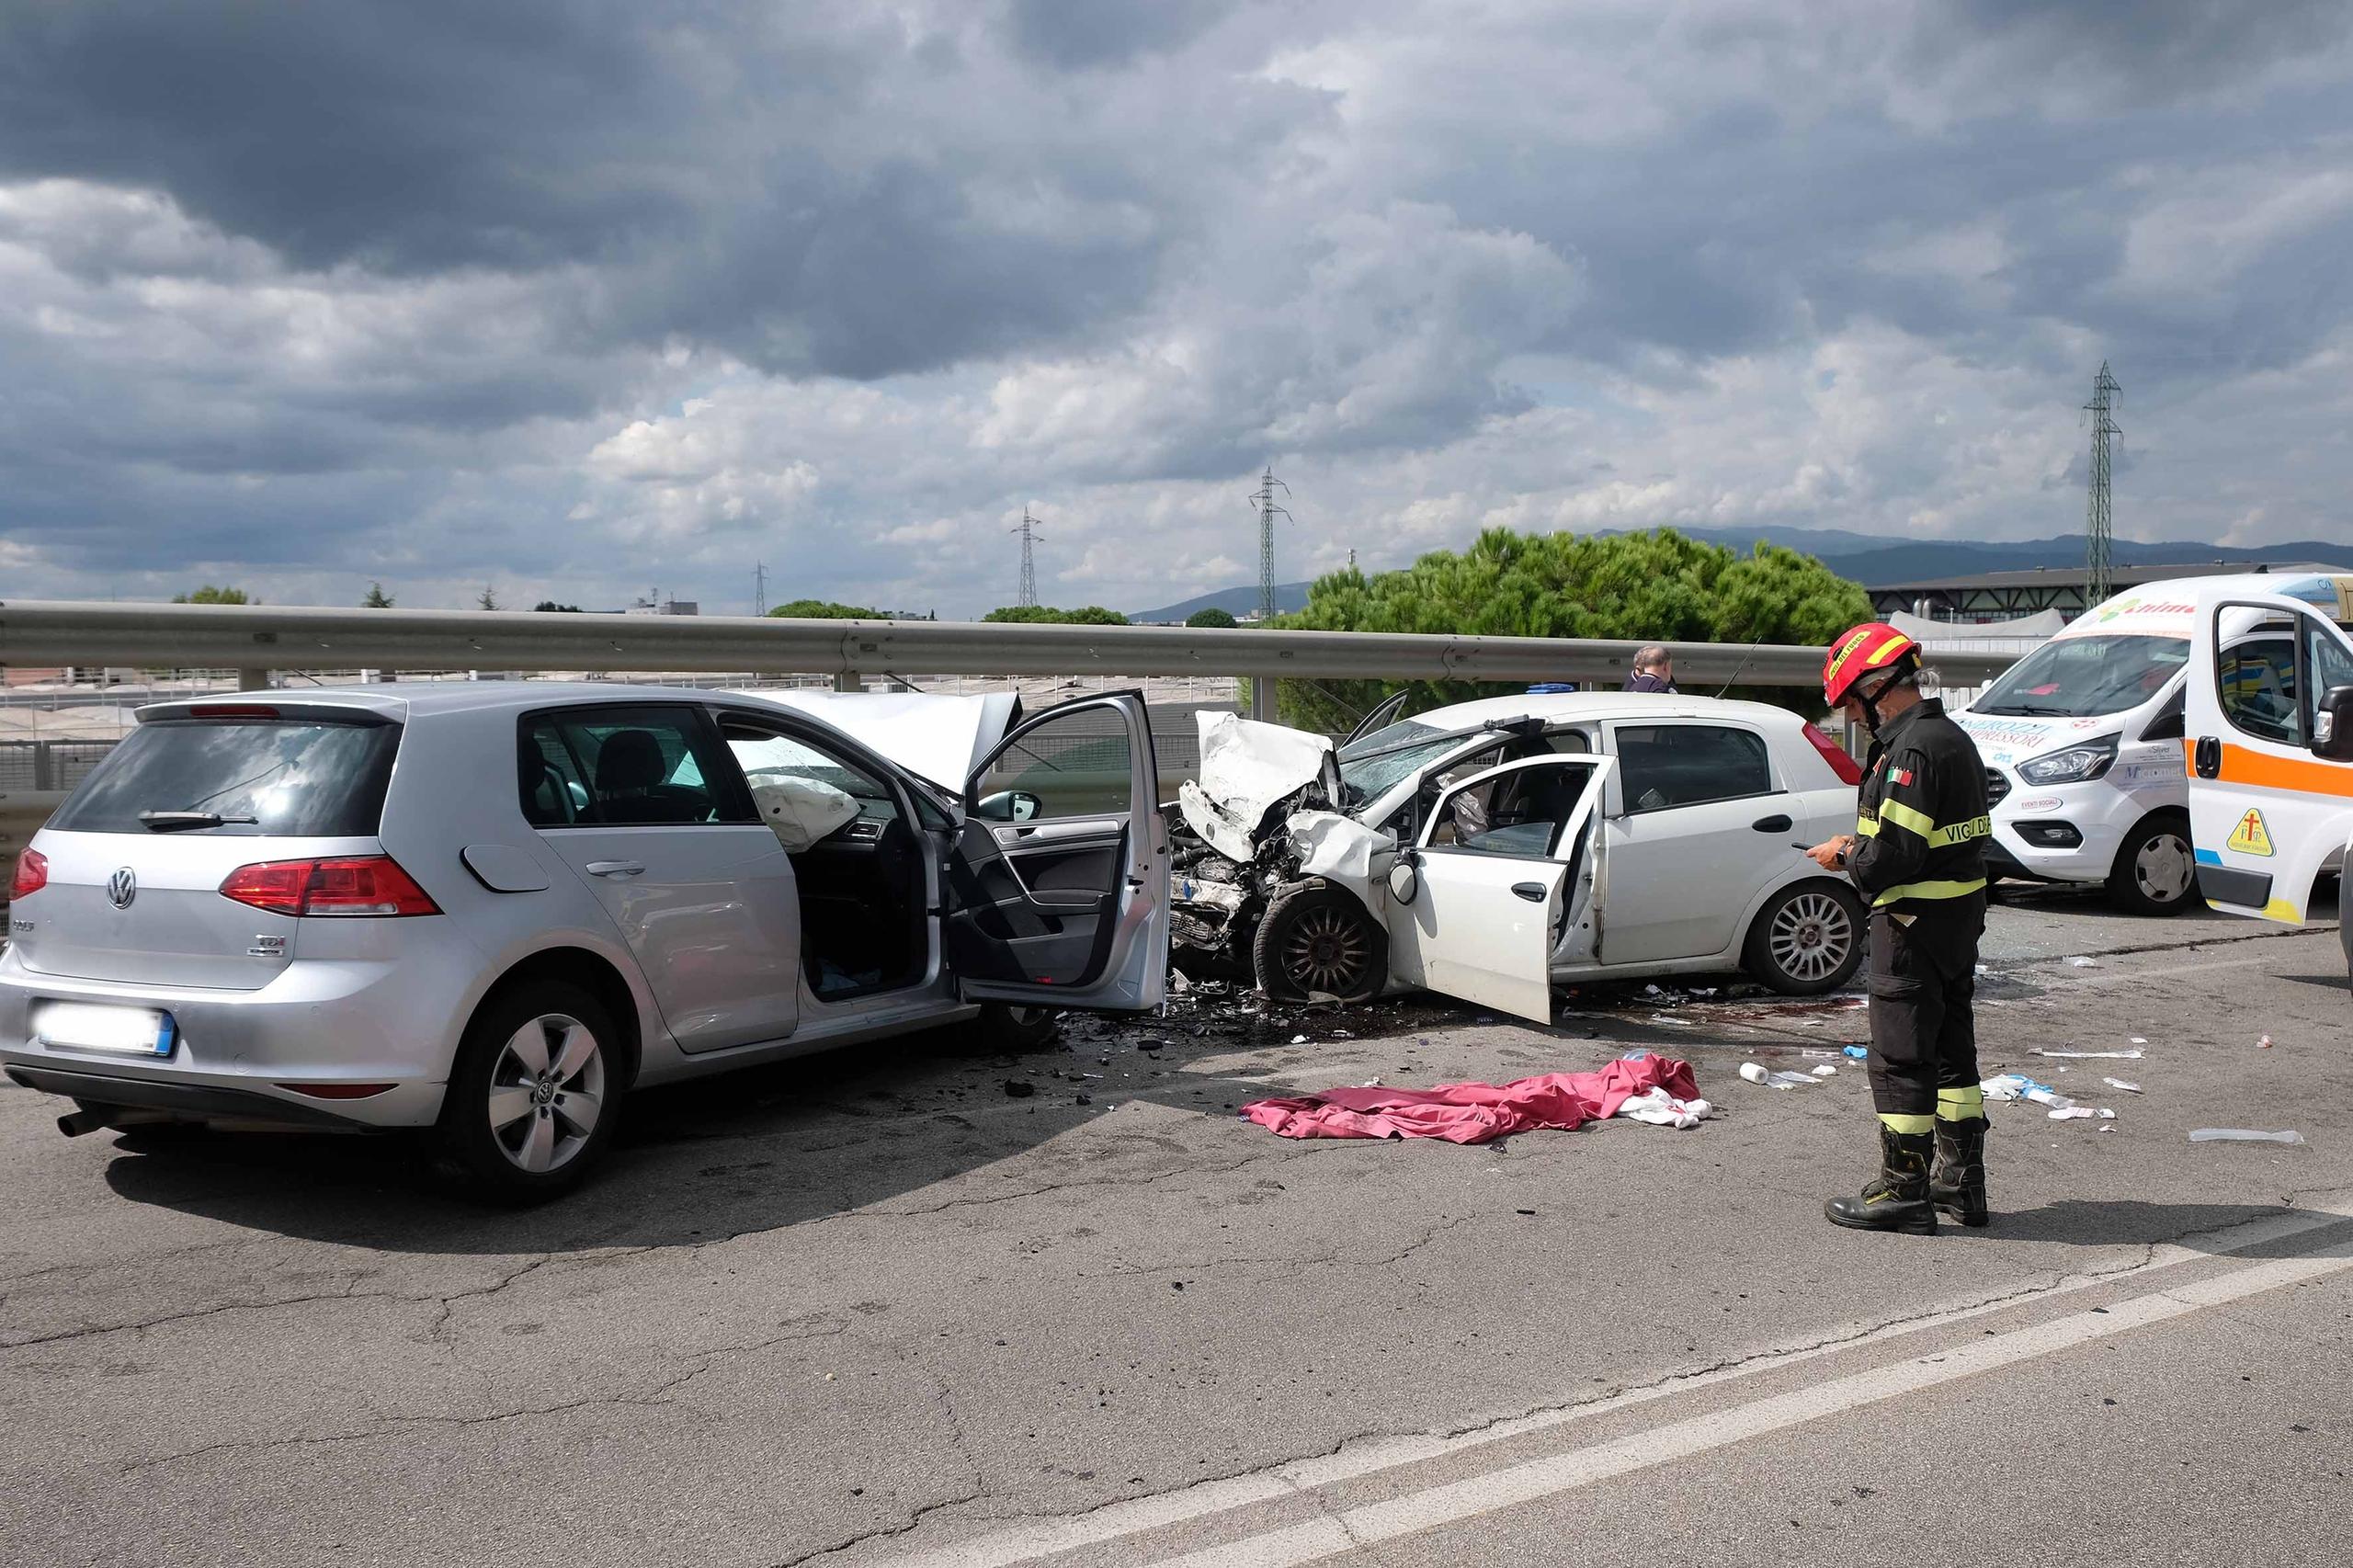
<point x="491" y="911"/>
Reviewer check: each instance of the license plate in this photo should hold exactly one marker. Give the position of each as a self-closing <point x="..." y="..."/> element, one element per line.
<point x="99" y="1025"/>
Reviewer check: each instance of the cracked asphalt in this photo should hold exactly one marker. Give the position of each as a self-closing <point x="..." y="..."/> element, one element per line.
<point x="872" y="1308"/>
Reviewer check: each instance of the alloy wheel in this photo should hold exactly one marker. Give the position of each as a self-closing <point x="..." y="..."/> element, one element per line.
<point x="1326" y="950"/>
<point x="1811" y="937"/>
<point x="546" y="1091"/>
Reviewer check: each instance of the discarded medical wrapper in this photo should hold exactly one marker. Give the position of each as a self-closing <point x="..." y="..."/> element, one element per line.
<point x="1662" y="1109"/>
<point x="1859" y="1053"/>
<point x="799" y="811"/>
<point x="1478" y="1113"/>
<point x="2121" y="1084"/>
<point x="2243" y="1135"/>
<point x="2077" y="1112"/>
<point x="2131" y="1055"/>
<point x="2019" y="1086"/>
<point x="1756" y="1073"/>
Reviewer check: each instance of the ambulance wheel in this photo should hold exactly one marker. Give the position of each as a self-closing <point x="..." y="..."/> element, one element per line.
<point x="2156" y="871"/>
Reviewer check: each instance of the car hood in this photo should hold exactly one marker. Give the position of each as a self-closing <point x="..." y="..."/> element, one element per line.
<point x="1246" y="768"/>
<point x="2004" y="739"/>
<point x="939" y="738"/>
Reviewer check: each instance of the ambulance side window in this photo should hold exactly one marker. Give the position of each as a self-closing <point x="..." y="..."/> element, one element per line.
<point x="2330" y="661"/>
<point x="2255" y="681"/>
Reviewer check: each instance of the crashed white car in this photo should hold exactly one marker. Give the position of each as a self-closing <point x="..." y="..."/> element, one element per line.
<point x="1493" y="850"/>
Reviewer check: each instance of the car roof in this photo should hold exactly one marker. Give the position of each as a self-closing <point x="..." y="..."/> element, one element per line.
<point x="1572" y="705"/>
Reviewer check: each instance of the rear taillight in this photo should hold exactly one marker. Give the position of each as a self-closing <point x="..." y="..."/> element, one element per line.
<point x="31" y="876"/>
<point x="1850" y="771"/>
<point x="356" y="884"/>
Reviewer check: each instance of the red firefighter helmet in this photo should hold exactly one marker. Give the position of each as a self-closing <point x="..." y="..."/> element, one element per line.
<point x="1871" y="647"/>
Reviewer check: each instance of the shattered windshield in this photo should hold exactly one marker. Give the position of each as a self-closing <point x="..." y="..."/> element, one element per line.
<point x="2077" y="677"/>
<point x="1383" y="759"/>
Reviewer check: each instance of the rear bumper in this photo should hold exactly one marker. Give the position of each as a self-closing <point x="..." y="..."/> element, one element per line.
<point x="331" y="1022"/>
<point x="195" y="1102"/>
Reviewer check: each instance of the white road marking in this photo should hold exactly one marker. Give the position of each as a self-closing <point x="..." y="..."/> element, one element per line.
<point x="1538" y="1479"/>
<point x="1028" y="1543"/>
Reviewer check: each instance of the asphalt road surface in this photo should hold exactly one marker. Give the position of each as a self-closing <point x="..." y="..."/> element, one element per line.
<point x="876" y="1309"/>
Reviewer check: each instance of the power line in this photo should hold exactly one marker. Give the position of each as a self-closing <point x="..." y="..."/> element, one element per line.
<point x="1264" y="499"/>
<point x="1028" y="530"/>
<point x="2101" y="544"/>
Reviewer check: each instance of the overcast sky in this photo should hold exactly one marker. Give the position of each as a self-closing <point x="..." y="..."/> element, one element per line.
<point x="581" y="299"/>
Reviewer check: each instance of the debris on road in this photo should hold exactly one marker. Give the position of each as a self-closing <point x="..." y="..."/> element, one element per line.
<point x="1662" y="1109"/>
<point x="2121" y="1084"/>
<point x="1756" y="1073"/>
<point x="1019" y="1089"/>
<point x="2019" y="1086"/>
<point x="2082" y="963"/>
<point x="2078" y="1112"/>
<point x="1477" y="1113"/>
<point x="1860" y="1053"/>
<point x="1825" y="1071"/>
<point x="2243" y="1135"/>
<point x="2131" y="1055"/>
<point x="2263" y="1044"/>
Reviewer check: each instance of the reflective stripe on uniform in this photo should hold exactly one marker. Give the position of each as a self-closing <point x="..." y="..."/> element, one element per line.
<point x="1960" y="833"/>
<point x="1866" y="827"/>
<point x="1903" y="815"/>
<point x="1929" y="890"/>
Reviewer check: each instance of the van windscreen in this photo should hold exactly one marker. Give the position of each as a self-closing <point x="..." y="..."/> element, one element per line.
<point x="251" y="778"/>
<point x="2083" y="677"/>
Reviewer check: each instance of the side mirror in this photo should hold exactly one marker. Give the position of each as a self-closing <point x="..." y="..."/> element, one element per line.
<point x="1008" y="805"/>
<point x="1404" y="880"/>
<point x="2332" y="726"/>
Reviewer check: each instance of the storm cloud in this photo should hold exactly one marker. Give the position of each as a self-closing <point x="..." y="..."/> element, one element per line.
<point x="584" y="298"/>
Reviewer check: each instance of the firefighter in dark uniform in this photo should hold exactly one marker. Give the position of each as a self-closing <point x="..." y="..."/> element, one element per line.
<point x="1917" y="858"/>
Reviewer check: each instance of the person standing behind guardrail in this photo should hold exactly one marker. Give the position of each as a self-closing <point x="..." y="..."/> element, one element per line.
<point x="1653" y="670"/>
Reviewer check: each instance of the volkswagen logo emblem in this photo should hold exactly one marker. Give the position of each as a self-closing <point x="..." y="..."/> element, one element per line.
<point x="122" y="887"/>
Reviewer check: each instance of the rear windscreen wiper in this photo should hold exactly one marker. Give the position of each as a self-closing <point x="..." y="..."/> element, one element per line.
<point x="178" y="822"/>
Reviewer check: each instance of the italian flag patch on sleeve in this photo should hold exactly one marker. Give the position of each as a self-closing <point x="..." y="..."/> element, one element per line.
<point x="1900" y="775"/>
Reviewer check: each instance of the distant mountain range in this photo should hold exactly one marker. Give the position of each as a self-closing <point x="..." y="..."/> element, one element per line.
<point x="1874" y="562"/>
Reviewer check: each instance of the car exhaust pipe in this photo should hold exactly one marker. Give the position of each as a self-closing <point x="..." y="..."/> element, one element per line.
<point x="75" y="1123"/>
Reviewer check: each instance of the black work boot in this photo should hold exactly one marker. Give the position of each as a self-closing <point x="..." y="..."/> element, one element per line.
<point x="1898" y="1200"/>
<point x="1956" y="1185"/>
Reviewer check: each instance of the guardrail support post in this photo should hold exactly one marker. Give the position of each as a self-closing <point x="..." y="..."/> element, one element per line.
<point x="846" y="682"/>
<point x="252" y="679"/>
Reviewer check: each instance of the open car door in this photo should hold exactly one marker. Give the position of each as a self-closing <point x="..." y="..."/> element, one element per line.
<point x="2269" y="694"/>
<point x="1479" y="907"/>
<point x="1058" y="881"/>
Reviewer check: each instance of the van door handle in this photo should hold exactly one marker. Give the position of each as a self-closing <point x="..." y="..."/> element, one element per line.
<point x="1532" y="891"/>
<point x="1772" y="824"/>
<point x="2208" y="756"/>
<point x="614" y="868"/>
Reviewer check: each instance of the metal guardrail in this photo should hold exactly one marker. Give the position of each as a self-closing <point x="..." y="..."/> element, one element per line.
<point x="253" y="639"/>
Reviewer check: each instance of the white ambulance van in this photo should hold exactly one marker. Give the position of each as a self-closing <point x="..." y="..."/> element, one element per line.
<point x="2271" y="792"/>
<point x="2082" y="738"/>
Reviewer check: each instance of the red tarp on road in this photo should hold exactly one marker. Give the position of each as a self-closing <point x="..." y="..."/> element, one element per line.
<point x="1474" y="1113"/>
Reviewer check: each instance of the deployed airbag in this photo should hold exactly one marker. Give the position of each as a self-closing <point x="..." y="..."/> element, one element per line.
<point x="799" y="811"/>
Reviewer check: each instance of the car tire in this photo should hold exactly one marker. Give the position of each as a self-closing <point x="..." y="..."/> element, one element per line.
<point x="1808" y="940"/>
<point x="1007" y="1029"/>
<point x="2155" y="870"/>
<point x="534" y="1095"/>
<point x="1320" y="942"/>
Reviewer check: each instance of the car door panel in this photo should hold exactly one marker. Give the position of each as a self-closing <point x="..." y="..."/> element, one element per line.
<point x="1484" y="914"/>
<point x="1068" y="905"/>
<point x="709" y="909"/>
<point x="1682" y="866"/>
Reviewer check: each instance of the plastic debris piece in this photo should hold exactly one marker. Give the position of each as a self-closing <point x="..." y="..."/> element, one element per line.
<point x="1369" y="1084"/>
<point x="2072" y="1113"/>
<point x="1825" y="1071"/>
<point x="1984" y="970"/>
<point x="1301" y="1039"/>
<point x="2121" y="1084"/>
<point x="2082" y="963"/>
<point x="1660" y="1109"/>
<point x="1662" y="1018"/>
<point x="2263" y="1044"/>
<point x="2140" y="1039"/>
<point x="1755" y="1074"/>
<point x="2132" y="1055"/>
<point x="2243" y="1135"/>
<point x="1860" y="1053"/>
